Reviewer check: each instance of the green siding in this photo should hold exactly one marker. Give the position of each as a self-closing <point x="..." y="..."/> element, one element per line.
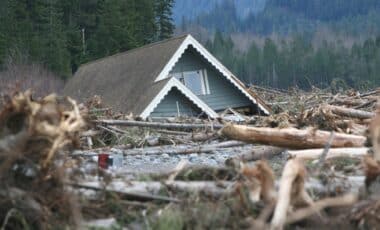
<point x="168" y="106"/>
<point x="223" y="94"/>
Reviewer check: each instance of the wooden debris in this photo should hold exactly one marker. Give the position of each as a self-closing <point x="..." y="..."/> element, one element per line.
<point x="158" y="125"/>
<point x="353" y="113"/>
<point x="312" y="154"/>
<point x="260" y="181"/>
<point x="372" y="164"/>
<point x="183" y="149"/>
<point x="291" y="192"/>
<point x="300" y="214"/>
<point x="256" y="153"/>
<point x="290" y="137"/>
<point x="139" y="190"/>
<point x="32" y="136"/>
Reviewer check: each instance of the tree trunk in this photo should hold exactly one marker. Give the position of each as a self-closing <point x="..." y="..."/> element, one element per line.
<point x="290" y="137"/>
<point x="312" y="154"/>
<point x="158" y="124"/>
<point x="353" y="113"/>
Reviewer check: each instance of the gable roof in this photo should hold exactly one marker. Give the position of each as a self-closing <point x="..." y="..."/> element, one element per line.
<point x="137" y="80"/>
<point x="215" y="63"/>
<point x="125" y="81"/>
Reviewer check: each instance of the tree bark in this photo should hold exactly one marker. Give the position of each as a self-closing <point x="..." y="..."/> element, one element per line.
<point x="353" y="113"/>
<point x="257" y="153"/>
<point x="290" y="137"/>
<point x="312" y="154"/>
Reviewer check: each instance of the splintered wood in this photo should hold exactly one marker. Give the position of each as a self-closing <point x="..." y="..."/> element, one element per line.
<point x="291" y="192"/>
<point x="292" y="197"/>
<point x="270" y="180"/>
<point x="260" y="181"/>
<point x="32" y="132"/>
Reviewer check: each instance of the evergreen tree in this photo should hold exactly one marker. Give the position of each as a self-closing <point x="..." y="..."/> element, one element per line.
<point x="164" y="20"/>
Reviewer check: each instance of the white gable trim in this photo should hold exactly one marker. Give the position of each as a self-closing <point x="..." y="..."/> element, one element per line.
<point x="173" y="82"/>
<point x="219" y="66"/>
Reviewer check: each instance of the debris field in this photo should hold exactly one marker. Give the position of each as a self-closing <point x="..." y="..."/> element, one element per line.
<point x="315" y="162"/>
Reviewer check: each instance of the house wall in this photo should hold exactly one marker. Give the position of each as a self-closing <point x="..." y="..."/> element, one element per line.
<point x="168" y="106"/>
<point x="223" y="94"/>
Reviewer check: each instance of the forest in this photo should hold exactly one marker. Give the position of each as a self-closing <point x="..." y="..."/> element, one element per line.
<point x="295" y="43"/>
<point x="299" y="63"/>
<point x="61" y="35"/>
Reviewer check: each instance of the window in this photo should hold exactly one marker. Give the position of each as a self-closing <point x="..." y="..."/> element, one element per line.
<point x="196" y="81"/>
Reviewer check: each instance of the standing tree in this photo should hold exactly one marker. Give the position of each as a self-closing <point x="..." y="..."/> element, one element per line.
<point x="164" y="20"/>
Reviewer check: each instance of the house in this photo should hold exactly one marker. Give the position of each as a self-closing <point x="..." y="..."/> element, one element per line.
<point x="174" y="77"/>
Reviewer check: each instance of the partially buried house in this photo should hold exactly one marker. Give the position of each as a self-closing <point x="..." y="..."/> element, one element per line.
<point x="175" y="77"/>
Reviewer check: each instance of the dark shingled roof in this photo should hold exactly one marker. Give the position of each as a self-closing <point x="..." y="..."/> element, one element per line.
<point x="125" y="81"/>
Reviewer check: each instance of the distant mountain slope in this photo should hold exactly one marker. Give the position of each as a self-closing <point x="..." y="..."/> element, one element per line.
<point x="191" y="9"/>
<point x="354" y="17"/>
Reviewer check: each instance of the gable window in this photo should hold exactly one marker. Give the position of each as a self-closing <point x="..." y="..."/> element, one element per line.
<point x="196" y="81"/>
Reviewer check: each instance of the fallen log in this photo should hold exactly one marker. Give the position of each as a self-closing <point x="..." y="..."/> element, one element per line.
<point x="368" y="103"/>
<point x="312" y="154"/>
<point x="149" y="190"/>
<point x="256" y="153"/>
<point x="347" y="101"/>
<point x="290" y="137"/>
<point x="353" y="113"/>
<point x="134" y="193"/>
<point x="346" y="200"/>
<point x="158" y="124"/>
<point x="184" y="149"/>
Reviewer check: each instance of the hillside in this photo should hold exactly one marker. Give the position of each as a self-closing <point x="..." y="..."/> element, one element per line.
<point x="190" y="10"/>
<point x="283" y="17"/>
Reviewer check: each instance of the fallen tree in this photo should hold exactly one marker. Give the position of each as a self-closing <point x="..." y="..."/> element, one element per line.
<point x="312" y="154"/>
<point x="183" y="149"/>
<point x="158" y="125"/>
<point x="290" y="137"/>
<point x="348" y="112"/>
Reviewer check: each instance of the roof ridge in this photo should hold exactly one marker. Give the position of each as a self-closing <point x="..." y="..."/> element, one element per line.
<point x="135" y="49"/>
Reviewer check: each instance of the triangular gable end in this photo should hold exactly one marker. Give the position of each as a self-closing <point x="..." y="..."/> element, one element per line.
<point x="213" y="61"/>
<point x="173" y="82"/>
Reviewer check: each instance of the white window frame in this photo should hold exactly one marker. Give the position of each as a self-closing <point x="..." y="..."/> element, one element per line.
<point x="204" y="79"/>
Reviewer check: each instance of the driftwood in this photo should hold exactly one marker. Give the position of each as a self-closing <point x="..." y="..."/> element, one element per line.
<point x="183" y="149"/>
<point x="158" y="124"/>
<point x="150" y="190"/>
<point x="168" y="149"/>
<point x="140" y="189"/>
<point x="290" y="137"/>
<point x="260" y="180"/>
<point x="256" y="153"/>
<point x="368" y="103"/>
<point x="312" y="154"/>
<point x="353" y="113"/>
<point x="291" y="192"/>
<point x="303" y="213"/>
<point x="171" y="132"/>
<point x="133" y="193"/>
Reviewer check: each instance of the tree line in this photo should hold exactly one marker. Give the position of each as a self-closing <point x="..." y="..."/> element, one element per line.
<point x="62" y="34"/>
<point x="297" y="62"/>
<point x="287" y="17"/>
